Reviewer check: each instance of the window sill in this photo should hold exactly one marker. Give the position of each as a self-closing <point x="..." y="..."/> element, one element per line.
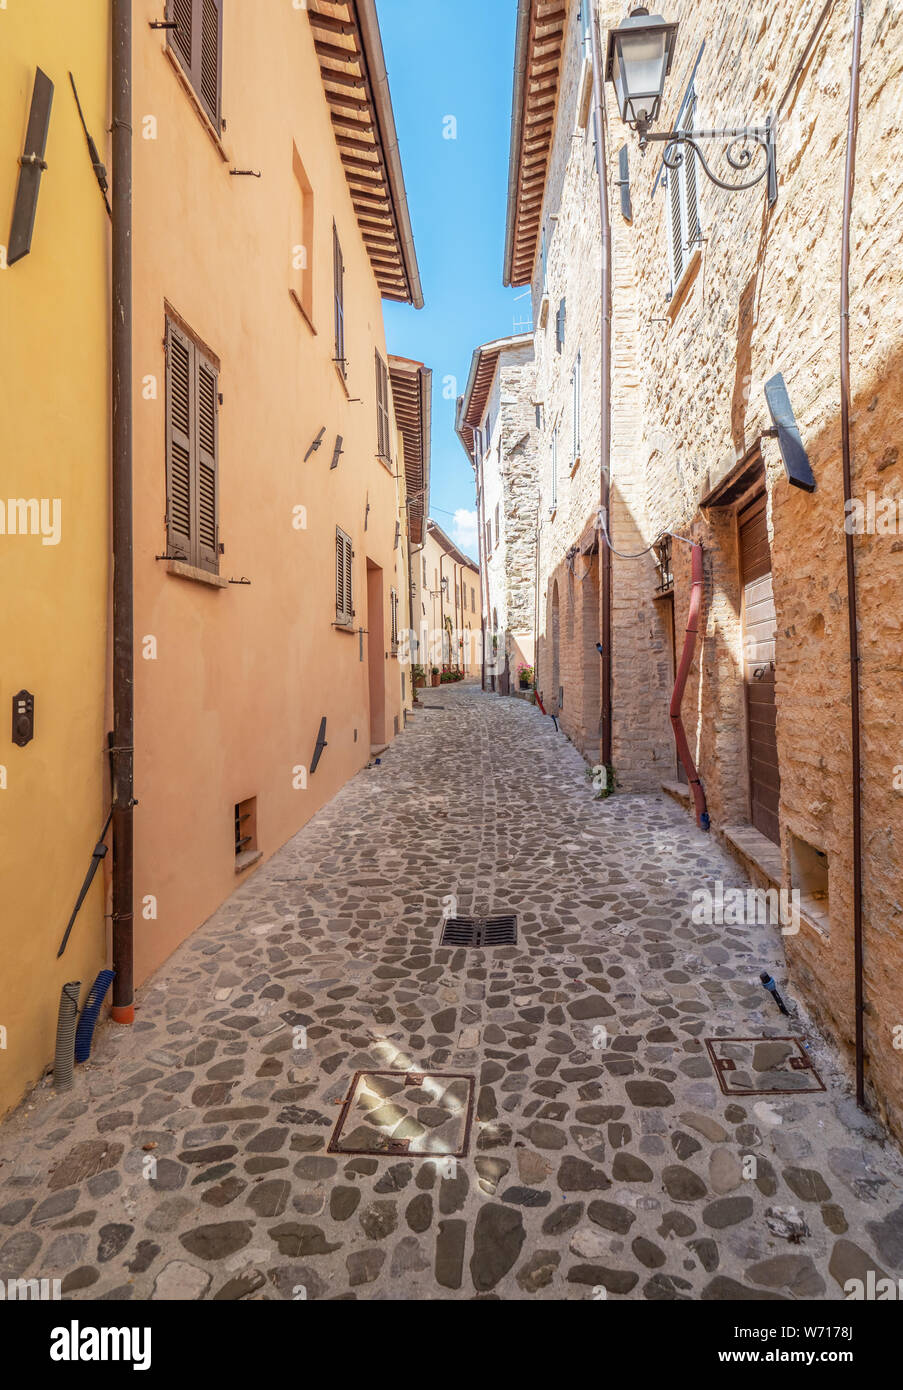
<point x="196" y="106"/>
<point x="386" y="463"/>
<point x="553" y="511"/>
<point x="245" y="860"/>
<point x="575" y="465"/>
<point x="186" y="571"/>
<point x="544" y="309"/>
<point x="691" y="270"/>
<point x="343" y="378"/>
<point x="345" y="627"/>
<point x="296" y="300"/>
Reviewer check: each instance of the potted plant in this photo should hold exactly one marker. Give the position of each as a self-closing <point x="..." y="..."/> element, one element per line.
<point x="418" y="675"/>
<point x="434" y="675"/>
<point x="525" y="676"/>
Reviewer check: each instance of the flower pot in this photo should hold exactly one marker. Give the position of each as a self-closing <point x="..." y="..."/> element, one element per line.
<point x="524" y="684"/>
<point x="434" y="680"/>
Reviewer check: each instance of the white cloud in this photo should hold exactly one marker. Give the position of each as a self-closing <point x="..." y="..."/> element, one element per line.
<point x="464" y="530"/>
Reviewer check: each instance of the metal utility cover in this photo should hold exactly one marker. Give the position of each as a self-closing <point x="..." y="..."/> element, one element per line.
<point x="762" y="1066"/>
<point x="418" y="1114"/>
<point x="480" y="931"/>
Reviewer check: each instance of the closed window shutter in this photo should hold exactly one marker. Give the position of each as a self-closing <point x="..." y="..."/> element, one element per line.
<point x="691" y="198"/>
<point x="211" y="57"/>
<point x="180" y="11"/>
<point x="179" y="412"/>
<point x="343" y="586"/>
<point x="393" y="616"/>
<point x="577" y="407"/>
<point x="338" y="285"/>
<point x="207" y="481"/>
<point x="677" y="240"/>
<point x="554" y="466"/>
<point x="384" y="442"/>
<point x="198" y="41"/>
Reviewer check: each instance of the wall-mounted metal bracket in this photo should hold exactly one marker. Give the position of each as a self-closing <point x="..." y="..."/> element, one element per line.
<point x="31" y="166"/>
<point x="337" y="452"/>
<point x="741" y="145"/>
<point x="796" y="460"/>
<point x="319" y="746"/>
<point x="316" y="444"/>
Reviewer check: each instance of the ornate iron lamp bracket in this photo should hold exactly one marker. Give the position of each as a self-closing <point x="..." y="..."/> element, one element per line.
<point x="740" y="150"/>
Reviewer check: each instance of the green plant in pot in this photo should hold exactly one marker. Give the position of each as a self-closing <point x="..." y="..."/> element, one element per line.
<point x="434" y="675"/>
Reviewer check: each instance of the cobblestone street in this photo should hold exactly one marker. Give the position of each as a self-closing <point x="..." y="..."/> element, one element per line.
<point x="191" y="1158"/>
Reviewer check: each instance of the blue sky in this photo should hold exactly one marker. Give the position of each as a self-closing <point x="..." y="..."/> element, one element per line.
<point x="453" y="58"/>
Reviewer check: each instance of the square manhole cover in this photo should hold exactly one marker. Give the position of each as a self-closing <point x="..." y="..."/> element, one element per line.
<point x="415" y="1113"/>
<point x="479" y="931"/>
<point x="762" y="1066"/>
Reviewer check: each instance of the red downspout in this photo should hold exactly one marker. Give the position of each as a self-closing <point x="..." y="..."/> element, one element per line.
<point x="686" y="660"/>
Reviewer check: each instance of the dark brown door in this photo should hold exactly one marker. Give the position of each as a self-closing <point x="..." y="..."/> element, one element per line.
<point x="759" y="625"/>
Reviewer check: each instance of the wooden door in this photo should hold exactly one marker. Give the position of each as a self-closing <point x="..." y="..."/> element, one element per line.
<point x="759" y="624"/>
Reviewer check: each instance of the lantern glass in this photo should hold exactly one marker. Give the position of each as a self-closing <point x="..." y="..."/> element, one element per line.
<point x="639" y="59"/>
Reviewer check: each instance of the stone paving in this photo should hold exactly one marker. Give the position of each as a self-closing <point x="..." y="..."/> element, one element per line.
<point x="191" y="1160"/>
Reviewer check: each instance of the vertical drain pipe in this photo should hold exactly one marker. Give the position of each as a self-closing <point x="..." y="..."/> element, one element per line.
<point x="686" y="661"/>
<point x="605" y="395"/>
<point x="852" y="606"/>
<point x="123" y="595"/>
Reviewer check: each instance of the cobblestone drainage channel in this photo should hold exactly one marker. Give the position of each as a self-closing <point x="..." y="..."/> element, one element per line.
<point x="426" y="1114"/>
<point x="479" y="931"/>
<point x="762" y="1066"/>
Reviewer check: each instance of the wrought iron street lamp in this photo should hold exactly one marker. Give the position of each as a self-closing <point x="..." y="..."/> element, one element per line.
<point x="640" y="53"/>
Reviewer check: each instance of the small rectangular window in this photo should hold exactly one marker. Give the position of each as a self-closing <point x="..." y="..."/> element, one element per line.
<point x="197" y="42"/>
<point x="559" y="325"/>
<point x="344" y="589"/>
<point x="245" y="833"/>
<point x="338" y="286"/>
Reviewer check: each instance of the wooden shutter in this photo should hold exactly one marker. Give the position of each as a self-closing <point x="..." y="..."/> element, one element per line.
<point x="393" y="617"/>
<point x="383" y="432"/>
<point x="206" y="510"/>
<point x="338" y="286"/>
<point x="198" y="43"/>
<point x="577" y="408"/>
<point x="344" y="607"/>
<point x="210" y="57"/>
<point x="554" y="466"/>
<point x="683" y="203"/>
<point x="677" y="238"/>
<point x="179" y="470"/>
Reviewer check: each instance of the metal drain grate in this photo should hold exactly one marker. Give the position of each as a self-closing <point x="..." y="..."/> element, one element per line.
<point x="480" y="931"/>
<point x="762" y="1066"/>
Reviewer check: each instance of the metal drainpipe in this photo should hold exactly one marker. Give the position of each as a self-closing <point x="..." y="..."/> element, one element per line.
<point x="123" y="594"/>
<point x="852" y="606"/>
<point x="605" y="392"/>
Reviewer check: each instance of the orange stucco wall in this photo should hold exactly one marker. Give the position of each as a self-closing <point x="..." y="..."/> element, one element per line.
<point x="229" y="705"/>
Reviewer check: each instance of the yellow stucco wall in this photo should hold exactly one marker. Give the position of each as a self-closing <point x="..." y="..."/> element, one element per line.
<point x="441" y="564"/>
<point x="231" y="703"/>
<point x="54" y="429"/>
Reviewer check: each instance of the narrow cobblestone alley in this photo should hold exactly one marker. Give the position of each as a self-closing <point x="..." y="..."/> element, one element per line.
<point x="191" y="1159"/>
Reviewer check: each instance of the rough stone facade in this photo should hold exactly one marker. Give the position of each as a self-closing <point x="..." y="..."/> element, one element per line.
<point x="503" y="448"/>
<point x="760" y="295"/>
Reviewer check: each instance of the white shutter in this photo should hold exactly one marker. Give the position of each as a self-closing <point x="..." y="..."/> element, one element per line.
<point x="577" y="409"/>
<point x="683" y="204"/>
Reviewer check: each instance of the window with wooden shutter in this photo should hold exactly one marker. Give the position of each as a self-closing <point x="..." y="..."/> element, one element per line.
<point x="192" y="452"/>
<point x="683" y="204"/>
<point x="393" y="618"/>
<point x="197" y="42"/>
<point x="559" y="325"/>
<point x="383" y="432"/>
<point x="577" y="385"/>
<point x="338" y="286"/>
<point x="554" y="502"/>
<point x="344" y="594"/>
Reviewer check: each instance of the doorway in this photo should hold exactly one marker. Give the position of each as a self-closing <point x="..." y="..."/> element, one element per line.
<point x="759" y="626"/>
<point x="376" y="655"/>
